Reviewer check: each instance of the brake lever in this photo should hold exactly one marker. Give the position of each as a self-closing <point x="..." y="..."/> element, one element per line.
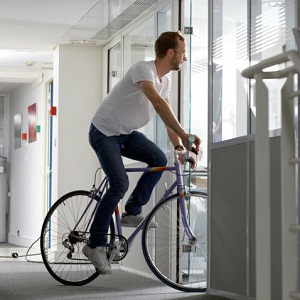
<point x="193" y="149"/>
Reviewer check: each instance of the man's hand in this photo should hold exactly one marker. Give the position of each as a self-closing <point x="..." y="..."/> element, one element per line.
<point x="186" y="143"/>
<point x="182" y="156"/>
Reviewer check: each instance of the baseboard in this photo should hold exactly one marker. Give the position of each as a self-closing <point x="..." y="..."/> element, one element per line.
<point x="19" y="240"/>
<point x="2" y="237"/>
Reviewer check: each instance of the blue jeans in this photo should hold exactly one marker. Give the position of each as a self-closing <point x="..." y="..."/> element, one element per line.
<point x="110" y="151"/>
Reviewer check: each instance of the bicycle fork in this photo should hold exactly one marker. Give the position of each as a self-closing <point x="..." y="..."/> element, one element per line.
<point x="186" y="226"/>
<point x="182" y="207"/>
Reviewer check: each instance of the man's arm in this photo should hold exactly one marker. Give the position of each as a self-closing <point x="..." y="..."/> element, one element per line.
<point x="165" y="112"/>
<point x="174" y="138"/>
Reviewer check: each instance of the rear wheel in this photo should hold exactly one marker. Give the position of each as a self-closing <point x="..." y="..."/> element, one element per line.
<point x="172" y="257"/>
<point x="61" y="242"/>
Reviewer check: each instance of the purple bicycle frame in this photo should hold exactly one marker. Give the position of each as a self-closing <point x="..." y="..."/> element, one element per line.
<point x="180" y="189"/>
<point x="177" y="183"/>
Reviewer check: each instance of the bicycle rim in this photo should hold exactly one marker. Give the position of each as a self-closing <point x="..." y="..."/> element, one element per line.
<point x="61" y="243"/>
<point x="167" y="249"/>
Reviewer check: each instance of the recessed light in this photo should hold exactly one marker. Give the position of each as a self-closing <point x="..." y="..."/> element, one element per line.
<point x="83" y="42"/>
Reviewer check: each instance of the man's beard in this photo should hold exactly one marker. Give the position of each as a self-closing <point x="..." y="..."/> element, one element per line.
<point x="176" y="66"/>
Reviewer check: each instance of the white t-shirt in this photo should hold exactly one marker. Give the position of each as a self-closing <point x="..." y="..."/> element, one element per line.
<point x="126" y="107"/>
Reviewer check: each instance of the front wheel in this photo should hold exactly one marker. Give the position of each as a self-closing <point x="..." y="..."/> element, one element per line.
<point x="64" y="232"/>
<point x="172" y="257"/>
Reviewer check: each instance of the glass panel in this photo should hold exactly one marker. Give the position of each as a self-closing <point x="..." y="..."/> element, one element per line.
<point x="229" y="58"/>
<point x="114" y="66"/>
<point x="139" y="46"/>
<point x="195" y="103"/>
<point x="268" y="38"/>
<point x="1" y="120"/>
<point x="164" y="19"/>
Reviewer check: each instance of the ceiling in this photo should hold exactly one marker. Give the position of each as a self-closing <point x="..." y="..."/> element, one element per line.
<point x="31" y="29"/>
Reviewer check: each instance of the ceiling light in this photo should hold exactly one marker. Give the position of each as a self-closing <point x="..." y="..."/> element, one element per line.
<point x="83" y="42"/>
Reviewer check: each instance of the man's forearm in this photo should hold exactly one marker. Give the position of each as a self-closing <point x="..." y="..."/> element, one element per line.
<point x="175" y="140"/>
<point x="168" y="117"/>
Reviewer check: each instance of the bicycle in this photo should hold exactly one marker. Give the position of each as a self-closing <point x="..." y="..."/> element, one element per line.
<point x="174" y="251"/>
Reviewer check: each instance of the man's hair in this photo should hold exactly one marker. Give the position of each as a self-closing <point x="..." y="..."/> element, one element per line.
<point x="167" y="40"/>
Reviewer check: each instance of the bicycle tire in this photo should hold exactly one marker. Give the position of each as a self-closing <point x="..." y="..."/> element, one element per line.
<point x="58" y="236"/>
<point x="166" y="249"/>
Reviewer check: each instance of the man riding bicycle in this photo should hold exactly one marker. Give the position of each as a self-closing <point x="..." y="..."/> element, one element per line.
<point x="113" y="134"/>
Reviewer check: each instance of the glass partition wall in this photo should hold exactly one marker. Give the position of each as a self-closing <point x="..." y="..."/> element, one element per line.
<point x="193" y="112"/>
<point x="114" y="66"/>
<point x="229" y="58"/>
<point x="189" y="87"/>
<point x="235" y="45"/>
<point x="194" y="103"/>
<point x="138" y="45"/>
<point x="269" y="36"/>
<point x="213" y="100"/>
<point x="242" y="33"/>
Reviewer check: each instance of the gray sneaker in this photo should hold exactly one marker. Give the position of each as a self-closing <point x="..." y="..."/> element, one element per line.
<point x="134" y="221"/>
<point x="98" y="258"/>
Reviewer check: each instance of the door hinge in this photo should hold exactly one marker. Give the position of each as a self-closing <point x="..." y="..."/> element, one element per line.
<point x="188" y="30"/>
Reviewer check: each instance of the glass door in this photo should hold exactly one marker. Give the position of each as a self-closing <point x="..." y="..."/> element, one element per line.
<point x="194" y="103"/>
<point x="195" y="74"/>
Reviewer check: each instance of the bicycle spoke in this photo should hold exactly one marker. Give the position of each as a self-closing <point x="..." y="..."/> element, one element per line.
<point x="63" y="237"/>
<point x="169" y="252"/>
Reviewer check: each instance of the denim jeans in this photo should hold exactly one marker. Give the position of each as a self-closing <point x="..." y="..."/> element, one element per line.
<point x="110" y="151"/>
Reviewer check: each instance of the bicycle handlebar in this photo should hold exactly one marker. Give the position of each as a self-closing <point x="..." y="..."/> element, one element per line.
<point x="184" y="156"/>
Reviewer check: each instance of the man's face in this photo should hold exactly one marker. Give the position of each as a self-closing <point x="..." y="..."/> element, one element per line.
<point x="179" y="56"/>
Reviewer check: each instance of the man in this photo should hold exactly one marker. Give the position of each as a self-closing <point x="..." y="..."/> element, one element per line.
<point x="113" y="134"/>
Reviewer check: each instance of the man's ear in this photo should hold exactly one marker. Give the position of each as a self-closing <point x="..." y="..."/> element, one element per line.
<point x="170" y="52"/>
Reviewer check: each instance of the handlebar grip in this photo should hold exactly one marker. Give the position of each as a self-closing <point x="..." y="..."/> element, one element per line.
<point x="191" y="140"/>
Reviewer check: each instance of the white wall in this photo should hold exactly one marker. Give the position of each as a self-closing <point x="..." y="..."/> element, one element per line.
<point x="77" y="94"/>
<point x="27" y="174"/>
<point x="77" y="90"/>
